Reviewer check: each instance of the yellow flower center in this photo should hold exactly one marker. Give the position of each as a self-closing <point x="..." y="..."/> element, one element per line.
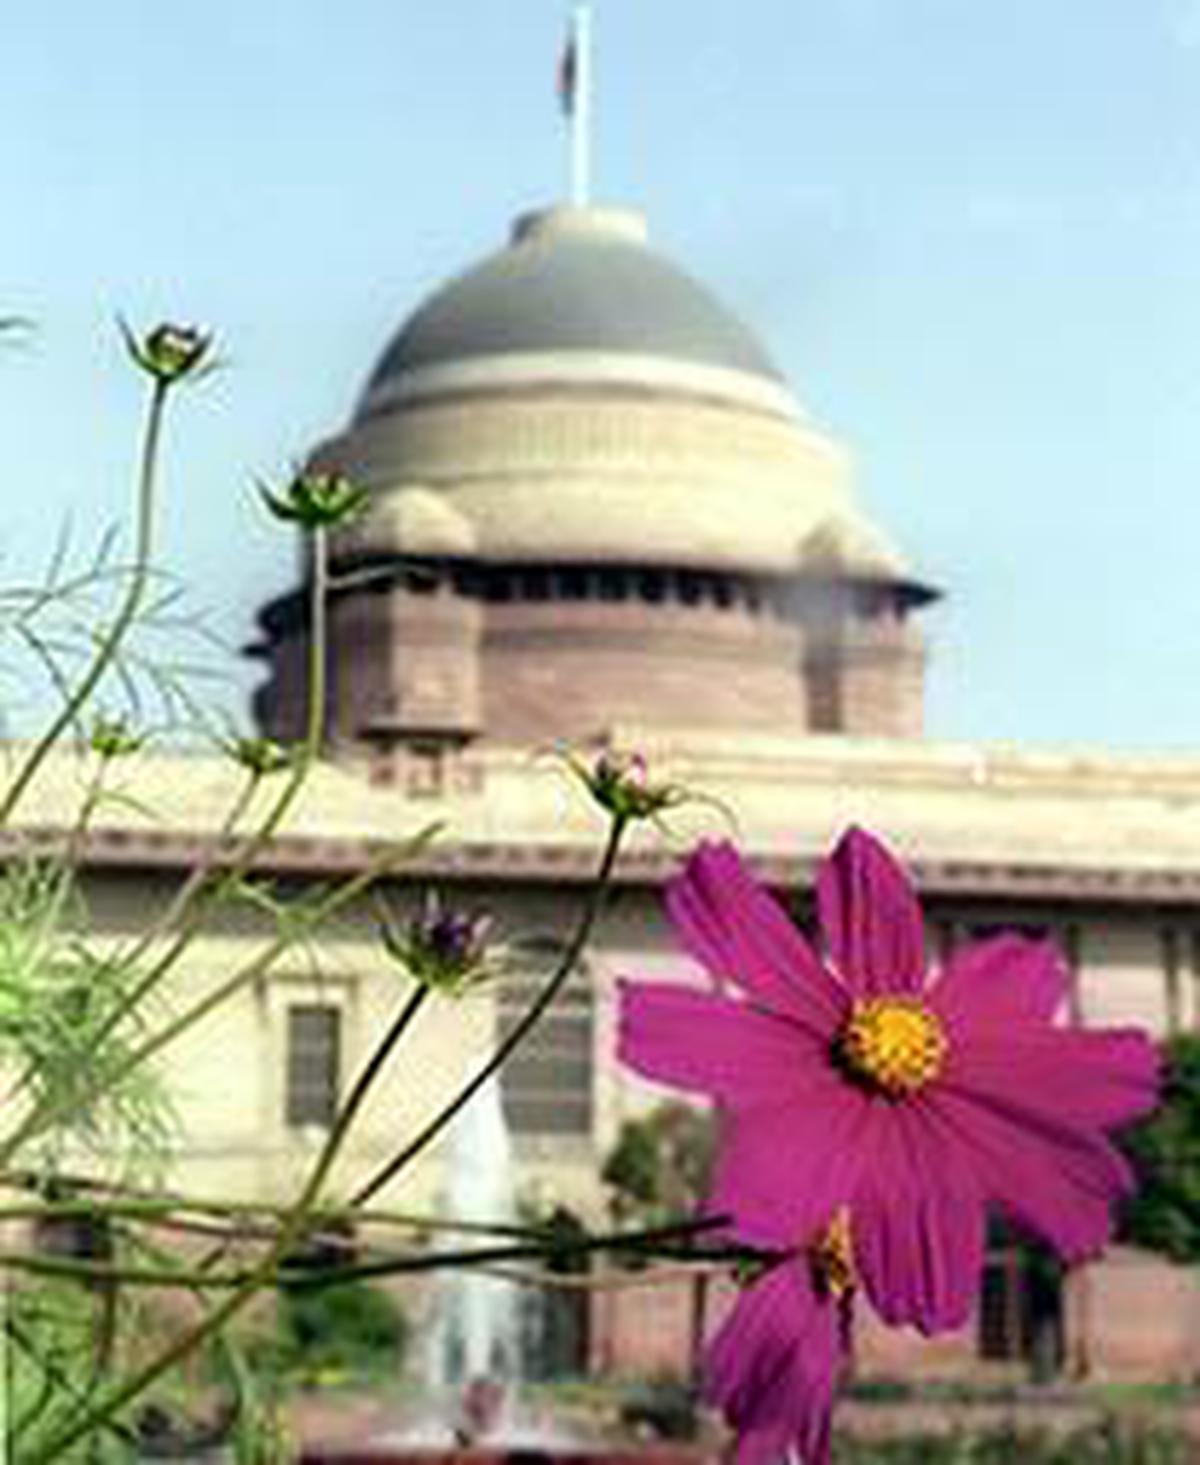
<point x="894" y="1044"/>
<point x="831" y="1257"/>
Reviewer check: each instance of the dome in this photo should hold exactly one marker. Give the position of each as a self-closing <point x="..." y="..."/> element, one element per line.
<point x="578" y="399"/>
<point x="573" y="280"/>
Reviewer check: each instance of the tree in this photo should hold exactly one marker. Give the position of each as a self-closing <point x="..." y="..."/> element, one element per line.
<point x="659" y="1168"/>
<point x="1164" y="1215"/>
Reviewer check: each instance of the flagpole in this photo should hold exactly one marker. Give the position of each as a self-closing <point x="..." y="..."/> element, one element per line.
<point x="581" y="111"/>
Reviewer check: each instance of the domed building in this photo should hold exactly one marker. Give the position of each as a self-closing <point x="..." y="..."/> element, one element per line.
<point x="594" y="501"/>
<point x="598" y="514"/>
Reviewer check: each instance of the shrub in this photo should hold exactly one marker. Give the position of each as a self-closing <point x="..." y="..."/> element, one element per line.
<point x="346" y="1328"/>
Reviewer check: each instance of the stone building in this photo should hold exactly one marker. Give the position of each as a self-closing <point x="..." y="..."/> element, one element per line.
<point x="587" y="474"/>
<point x="598" y="514"/>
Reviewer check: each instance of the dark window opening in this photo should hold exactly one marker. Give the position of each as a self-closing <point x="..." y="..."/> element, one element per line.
<point x="1020" y="1314"/>
<point x="547" y="1083"/>
<point x="652" y="586"/>
<point x="314" y="1040"/>
<point x="573" y="584"/>
<point x="421" y="581"/>
<point x="691" y="589"/>
<point x="613" y="585"/>
<point x="534" y="584"/>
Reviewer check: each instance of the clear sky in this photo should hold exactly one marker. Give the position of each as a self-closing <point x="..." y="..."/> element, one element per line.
<point x="969" y="233"/>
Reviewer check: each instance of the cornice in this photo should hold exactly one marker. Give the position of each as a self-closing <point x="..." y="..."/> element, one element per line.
<point x="539" y="862"/>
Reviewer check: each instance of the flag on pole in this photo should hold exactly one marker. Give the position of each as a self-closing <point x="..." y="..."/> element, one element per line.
<point x="568" y="76"/>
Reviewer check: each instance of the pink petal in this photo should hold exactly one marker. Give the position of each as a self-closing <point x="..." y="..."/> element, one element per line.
<point x="710" y="1044"/>
<point x="870" y="918"/>
<point x="773" y="1366"/>
<point x="917" y="1224"/>
<point x="1099" y="1079"/>
<point x="734" y="928"/>
<point x="1050" y="1176"/>
<point x="783" y="1171"/>
<point x="1002" y="980"/>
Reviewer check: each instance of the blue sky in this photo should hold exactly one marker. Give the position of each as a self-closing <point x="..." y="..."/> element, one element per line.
<point x="970" y="234"/>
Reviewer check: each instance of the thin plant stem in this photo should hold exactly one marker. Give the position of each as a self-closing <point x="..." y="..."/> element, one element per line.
<point x="645" y="1242"/>
<point x="512" y="1039"/>
<point x="343" y="896"/>
<point x="188" y="909"/>
<point x="290" y="1234"/>
<point x="257" y="967"/>
<point x="193" y="884"/>
<point x="153" y="1208"/>
<point x="110" y="642"/>
<point x="132" y="999"/>
<point x="536" y="1246"/>
<point x="90" y="802"/>
<point x="59" y="1380"/>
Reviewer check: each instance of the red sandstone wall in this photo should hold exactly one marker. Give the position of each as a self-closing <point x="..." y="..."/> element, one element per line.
<point x="1130" y="1316"/>
<point x="570" y="670"/>
<point x="1134" y="1316"/>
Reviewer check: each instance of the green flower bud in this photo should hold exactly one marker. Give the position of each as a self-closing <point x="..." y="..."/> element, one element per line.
<point x="112" y="737"/>
<point x="261" y="756"/>
<point x="317" y="500"/>
<point x="168" y="352"/>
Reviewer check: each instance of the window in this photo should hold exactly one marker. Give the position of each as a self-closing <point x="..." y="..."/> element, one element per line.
<point x="1172" y="968"/>
<point x="613" y="583"/>
<point x="547" y="1084"/>
<point x="1020" y="1314"/>
<point x="314" y="1040"/>
<point x="573" y="583"/>
<point x="652" y="586"/>
<point x="1193" y="1019"/>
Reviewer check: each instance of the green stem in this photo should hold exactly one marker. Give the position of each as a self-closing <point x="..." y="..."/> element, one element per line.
<point x="310" y="749"/>
<point x="110" y="642"/>
<point x="655" y="1241"/>
<point x="191" y="888"/>
<point x="156" y="1208"/>
<point x="290" y="1234"/>
<point x="87" y="808"/>
<point x="188" y="908"/>
<point x="344" y="895"/>
<point x="645" y="1242"/>
<point x="132" y="999"/>
<point x="61" y="1385"/>
<point x="517" y="1035"/>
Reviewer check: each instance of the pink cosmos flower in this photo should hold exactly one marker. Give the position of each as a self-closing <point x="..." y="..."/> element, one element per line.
<point x="857" y="1078"/>
<point x="773" y="1366"/>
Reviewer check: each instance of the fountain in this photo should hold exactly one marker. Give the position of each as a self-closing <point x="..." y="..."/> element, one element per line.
<point x="471" y="1364"/>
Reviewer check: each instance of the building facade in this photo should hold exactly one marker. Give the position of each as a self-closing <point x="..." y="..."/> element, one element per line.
<point x="598" y="515"/>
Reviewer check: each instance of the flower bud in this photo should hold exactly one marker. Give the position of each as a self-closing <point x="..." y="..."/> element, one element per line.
<point x="441" y="947"/>
<point x="168" y="352"/>
<point x="621" y="784"/>
<point x="112" y="737"/>
<point x="260" y="756"/>
<point x="317" y="500"/>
